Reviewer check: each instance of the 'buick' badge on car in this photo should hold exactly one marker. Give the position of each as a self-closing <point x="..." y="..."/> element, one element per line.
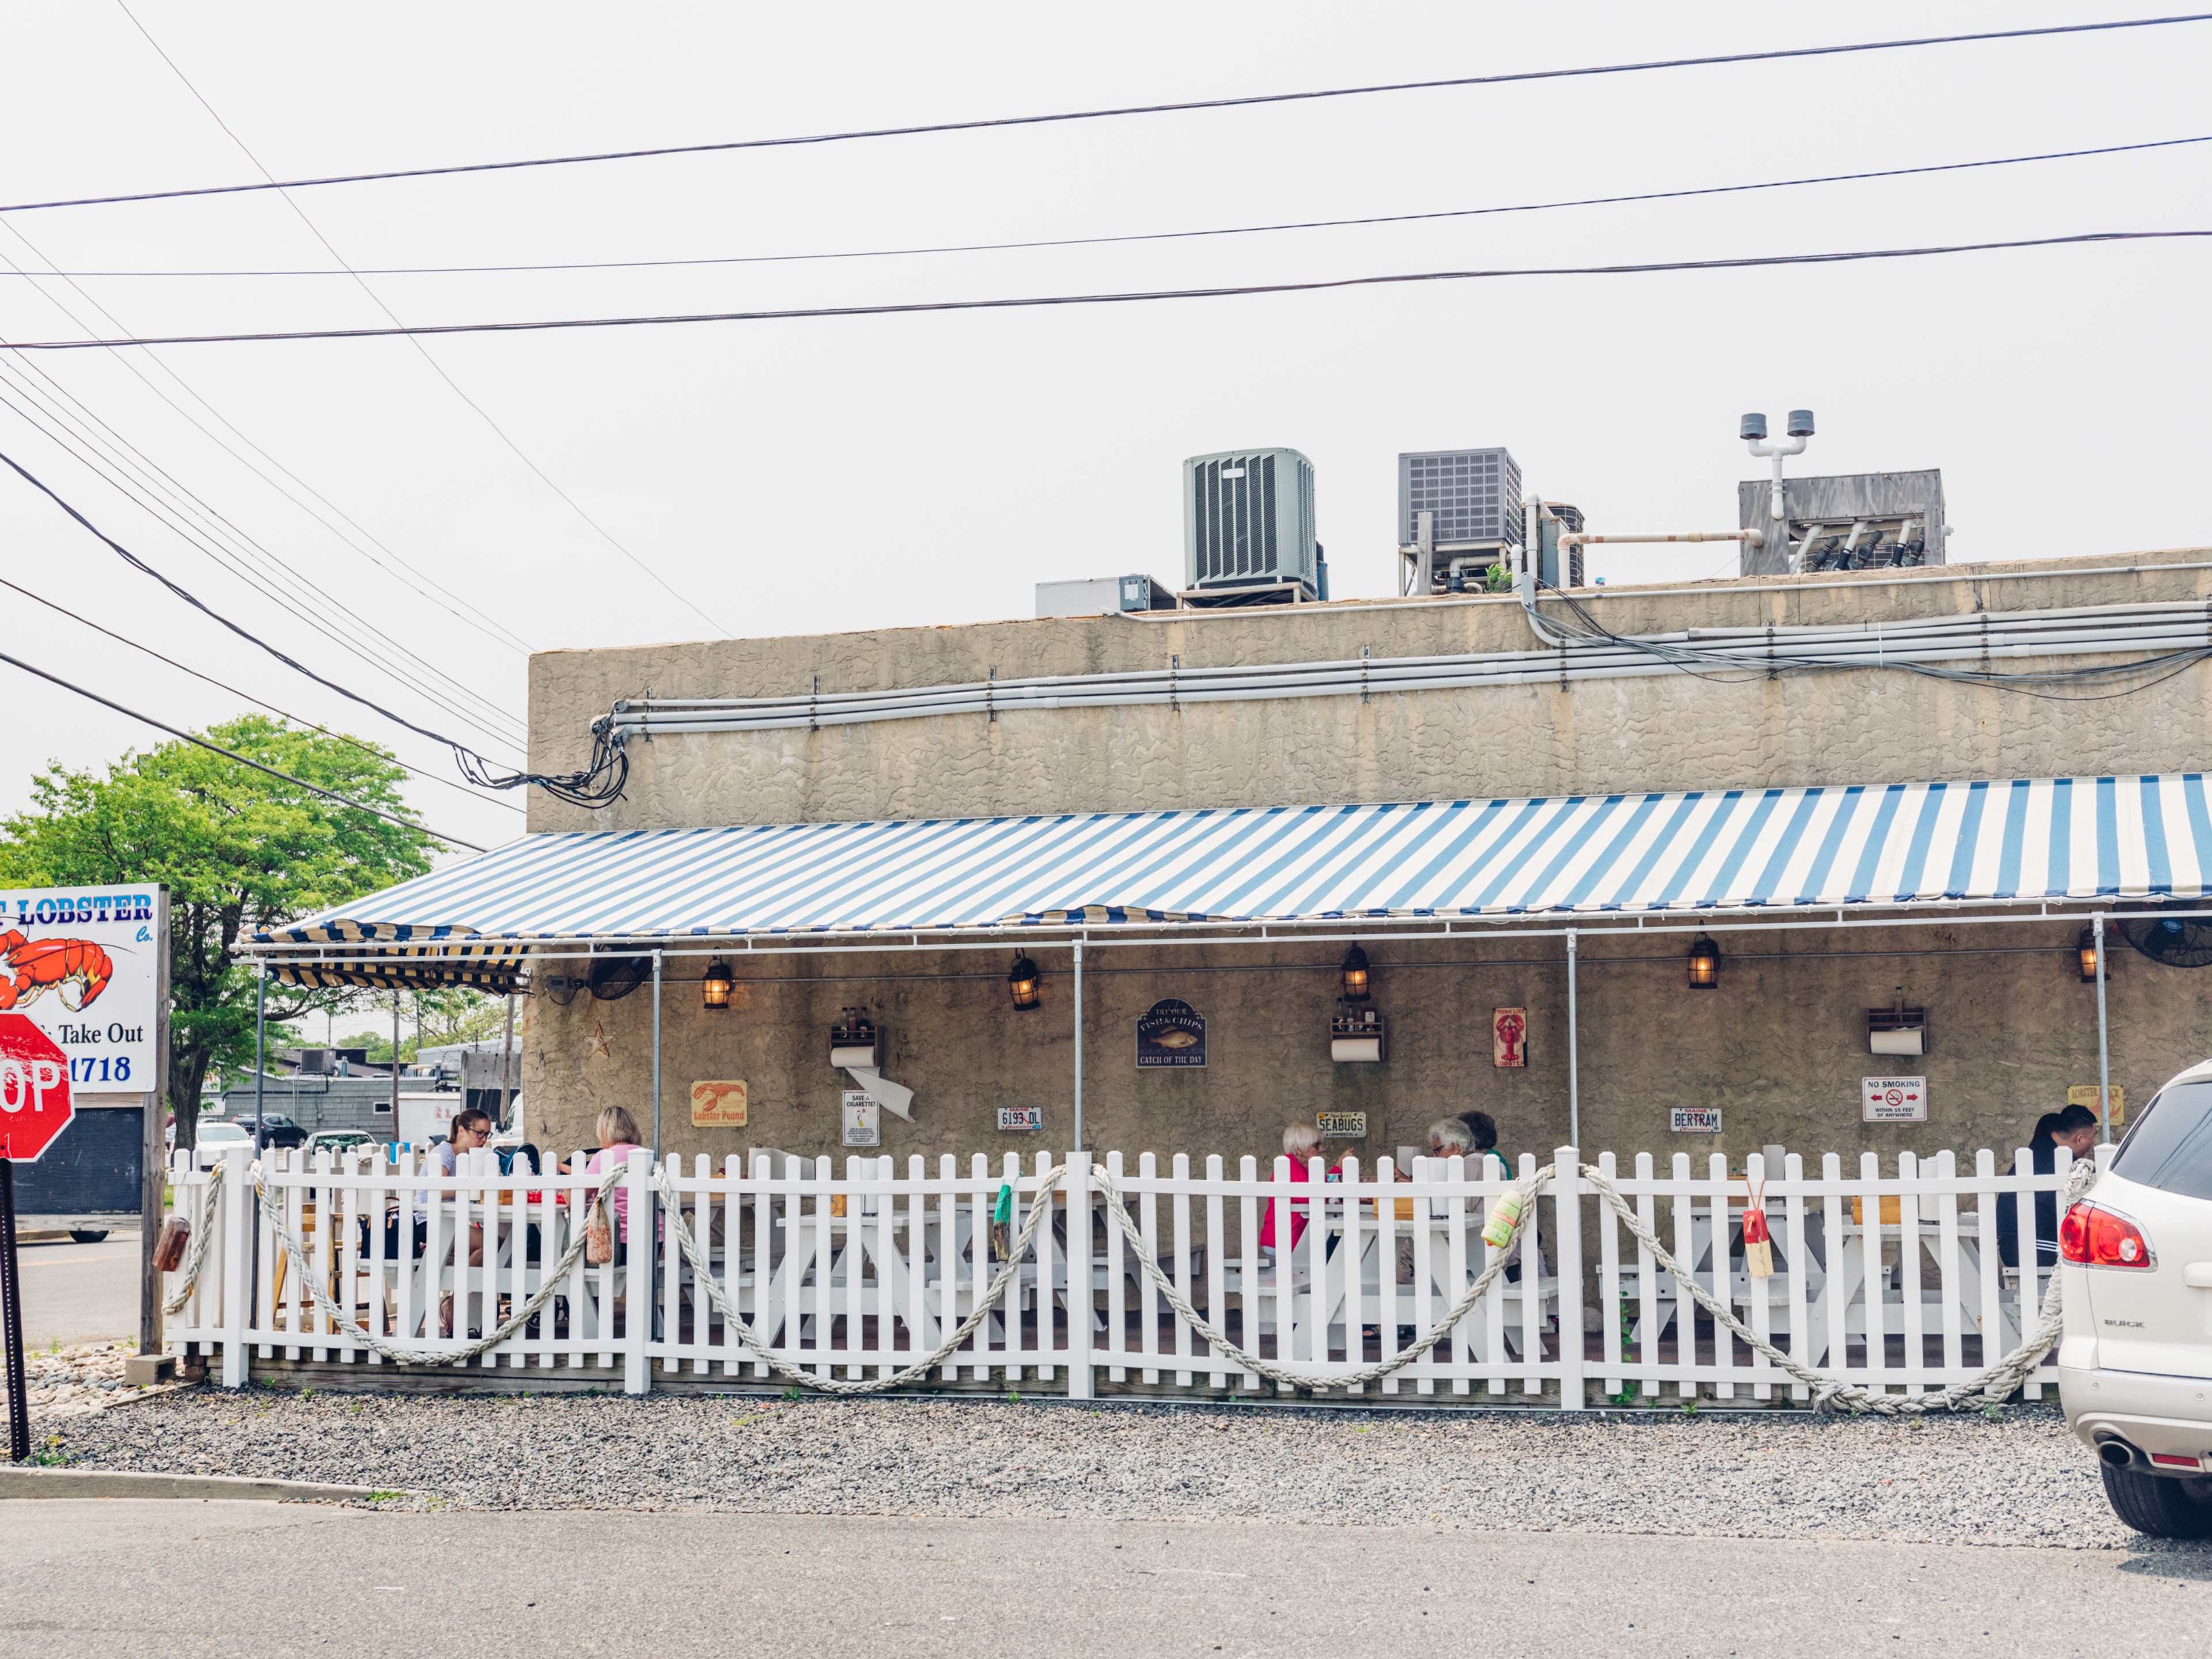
<point x="1170" y="1033"/>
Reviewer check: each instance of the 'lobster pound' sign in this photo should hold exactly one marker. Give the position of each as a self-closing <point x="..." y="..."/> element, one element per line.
<point x="35" y="1088"/>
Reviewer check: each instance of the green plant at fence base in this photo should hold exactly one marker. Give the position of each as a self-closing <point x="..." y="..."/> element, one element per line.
<point x="1627" y="1396"/>
<point x="794" y="1392"/>
<point x="1689" y="1408"/>
<point x="1994" y="1413"/>
<point x="1012" y="1399"/>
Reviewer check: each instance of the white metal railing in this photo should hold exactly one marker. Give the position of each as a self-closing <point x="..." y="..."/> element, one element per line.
<point x="1890" y="1279"/>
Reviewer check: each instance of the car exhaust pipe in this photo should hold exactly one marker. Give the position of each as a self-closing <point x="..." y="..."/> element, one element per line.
<point x="2117" y="1453"/>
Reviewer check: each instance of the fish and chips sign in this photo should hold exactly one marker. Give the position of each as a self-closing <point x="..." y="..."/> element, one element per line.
<point x="83" y="965"/>
<point x="1170" y="1033"/>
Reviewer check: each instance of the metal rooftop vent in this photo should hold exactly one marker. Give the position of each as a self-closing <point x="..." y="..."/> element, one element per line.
<point x="1248" y="520"/>
<point x="1475" y="495"/>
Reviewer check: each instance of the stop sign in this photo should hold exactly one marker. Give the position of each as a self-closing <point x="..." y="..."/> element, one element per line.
<point x="35" y="1090"/>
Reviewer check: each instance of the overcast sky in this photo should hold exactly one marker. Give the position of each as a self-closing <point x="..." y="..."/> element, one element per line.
<point x="799" y="477"/>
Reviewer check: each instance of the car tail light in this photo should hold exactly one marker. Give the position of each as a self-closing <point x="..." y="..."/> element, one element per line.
<point x="2094" y="1237"/>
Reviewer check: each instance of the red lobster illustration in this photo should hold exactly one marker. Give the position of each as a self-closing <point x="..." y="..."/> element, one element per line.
<point x="75" y="968"/>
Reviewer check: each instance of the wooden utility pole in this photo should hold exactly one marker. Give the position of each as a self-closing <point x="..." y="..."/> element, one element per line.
<point x="153" y="1146"/>
<point x="395" y="1063"/>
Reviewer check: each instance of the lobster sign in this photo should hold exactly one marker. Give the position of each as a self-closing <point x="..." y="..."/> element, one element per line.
<point x="81" y="964"/>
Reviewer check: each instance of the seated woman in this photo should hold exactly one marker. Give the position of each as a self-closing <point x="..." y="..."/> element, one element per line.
<point x="1482" y="1133"/>
<point x="617" y="1133"/>
<point x="1301" y="1144"/>
<point x="2073" y="1128"/>
<point x="1449" y="1138"/>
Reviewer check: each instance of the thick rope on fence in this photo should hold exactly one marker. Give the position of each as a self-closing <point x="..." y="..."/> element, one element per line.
<point x="549" y="1287"/>
<point x="1994" y="1383"/>
<point x="742" y="1329"/>
<point x="196" y="1251"/>
<point x="1118" y="1212"/>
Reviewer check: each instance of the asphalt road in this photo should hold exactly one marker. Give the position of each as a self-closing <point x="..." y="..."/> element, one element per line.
<point x="76" y="1293"/>
<point x="95" y="1577"/>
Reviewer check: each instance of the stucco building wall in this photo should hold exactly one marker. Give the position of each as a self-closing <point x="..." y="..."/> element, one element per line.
<point x="1780" y="1047"/>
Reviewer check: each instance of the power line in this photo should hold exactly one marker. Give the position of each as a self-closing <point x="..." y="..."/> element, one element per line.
<point x="72" y="442"/>
<point x="483" y="414"/>
<point x="210" y="679"/>
<point x="1152" y="235"/>
<point x="597" y="786"/>
<point x="1126" y="297"/>
<point x="499" y="632"/>
<point x="1115" y="112"/>
<point x="243" y="759"/>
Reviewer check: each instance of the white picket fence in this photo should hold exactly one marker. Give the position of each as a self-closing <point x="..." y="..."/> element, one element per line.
<point x="1893" y="1280"/>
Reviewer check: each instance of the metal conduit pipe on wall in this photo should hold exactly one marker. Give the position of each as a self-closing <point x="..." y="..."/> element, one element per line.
<point x="2078" y="631"/>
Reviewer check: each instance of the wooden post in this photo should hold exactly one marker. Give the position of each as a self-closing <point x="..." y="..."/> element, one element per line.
<point x="395" y="1062"/>
<point x="642" y="1226"/>
<point x="1566" y="1192"/>
<point x="1077" y="1257"/>
<point x="153" y="1147"/>
<point x="237" y="1222"/>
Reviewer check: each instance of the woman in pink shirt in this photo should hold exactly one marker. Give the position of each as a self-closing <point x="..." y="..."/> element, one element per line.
<point x="1302" y="1144"/>
<point x="617" y="1135"/>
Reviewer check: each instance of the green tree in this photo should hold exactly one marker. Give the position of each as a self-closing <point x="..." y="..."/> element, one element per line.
<point x="450" y="1014"/>
<point x="238" y="850"/>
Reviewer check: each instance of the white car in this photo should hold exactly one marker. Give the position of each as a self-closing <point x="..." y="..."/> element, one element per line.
<point x="2135" y="1361"/>
<point x="213" y="1138"/>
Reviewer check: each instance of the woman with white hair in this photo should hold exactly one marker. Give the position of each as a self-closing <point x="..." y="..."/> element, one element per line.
<point x="1449" y="1138"/>
<point x="1301" y="1145"/>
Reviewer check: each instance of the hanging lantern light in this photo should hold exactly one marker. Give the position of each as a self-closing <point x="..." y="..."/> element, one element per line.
<point x="1355" y="974"/>
<point x="2085" y="947"/>
<point x="1022" y="984"/>
<point x="714" y="989"/>
<point x="1704" y="965"/>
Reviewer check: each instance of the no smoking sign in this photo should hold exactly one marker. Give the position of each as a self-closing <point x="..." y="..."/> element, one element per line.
<point x="1894" y="1099"/>
<point x="35" y="1090"/>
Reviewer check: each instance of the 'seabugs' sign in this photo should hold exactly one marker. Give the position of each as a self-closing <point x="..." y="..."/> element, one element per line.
<point x="82" y="963"/>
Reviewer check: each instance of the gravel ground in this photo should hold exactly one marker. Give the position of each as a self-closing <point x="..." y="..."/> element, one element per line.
<point x="62" y="1383"/>
<point x="2021" y="1481"/>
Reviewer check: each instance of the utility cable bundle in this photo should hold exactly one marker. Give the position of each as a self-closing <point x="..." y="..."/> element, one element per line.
<point x="600" y="784"/>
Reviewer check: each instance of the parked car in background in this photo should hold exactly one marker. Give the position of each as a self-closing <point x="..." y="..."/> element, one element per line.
<point x="277" y="1130"/>
<point x="216" y="1136"/>
<point x="2134" y="1362"/>
<point x="339" y="1141"/>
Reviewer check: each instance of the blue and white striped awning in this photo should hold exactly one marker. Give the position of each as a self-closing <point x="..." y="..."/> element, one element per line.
<point x="1892" y="846"/>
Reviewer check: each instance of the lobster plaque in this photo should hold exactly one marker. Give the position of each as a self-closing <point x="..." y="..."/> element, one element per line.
<point x="81" y="964"/>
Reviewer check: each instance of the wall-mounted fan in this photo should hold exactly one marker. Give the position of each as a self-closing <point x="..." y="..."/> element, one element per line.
<point x="613" y="978"/>
<point x="2176" y="941"/>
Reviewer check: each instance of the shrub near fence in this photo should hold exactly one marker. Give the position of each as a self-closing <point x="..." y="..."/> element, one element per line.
<point x="850" y="1276"/>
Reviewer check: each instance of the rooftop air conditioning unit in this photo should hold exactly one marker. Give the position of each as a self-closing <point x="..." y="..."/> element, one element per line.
<point x="1475" y="495"/>
<point x="1248" y="521"/>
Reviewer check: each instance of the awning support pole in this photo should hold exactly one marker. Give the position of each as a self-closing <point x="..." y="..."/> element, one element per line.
<point x="1574" y="1072"/>
<point x="260" y="1051"/>
<point x="1078" y="1046"/>
<point x="506" y="1066"/>
<point x="1081" y="1306"/>
<point x="656" y="1056"/>
<point x="2104" y="1058"/>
